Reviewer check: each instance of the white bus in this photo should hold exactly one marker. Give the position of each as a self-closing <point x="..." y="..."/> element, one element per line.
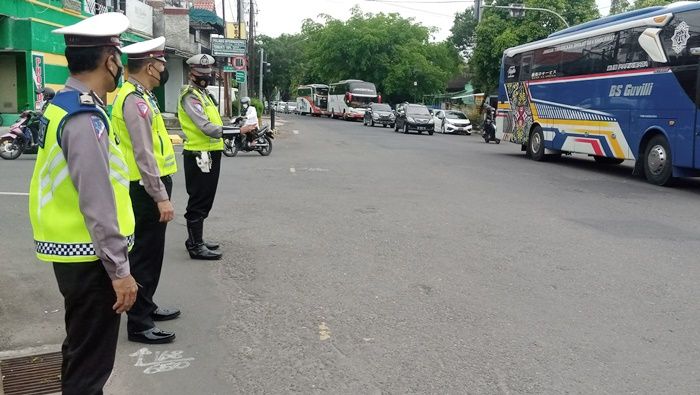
<point x="348" y="99"/>
<point x="312" y="99"/>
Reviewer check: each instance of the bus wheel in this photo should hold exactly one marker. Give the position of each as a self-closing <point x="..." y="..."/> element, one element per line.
<point x="657" y="161"/>
<point x="604" y="160"/>
<point x="535" y="145"/>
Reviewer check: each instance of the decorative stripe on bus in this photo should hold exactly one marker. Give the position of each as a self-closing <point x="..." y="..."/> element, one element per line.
<point x="601" y="76"/>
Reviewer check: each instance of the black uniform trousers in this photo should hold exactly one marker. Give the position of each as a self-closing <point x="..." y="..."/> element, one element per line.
<point x="92" y="327"/>
<point x="146" y="257"/>
<point x="201" y="187"/>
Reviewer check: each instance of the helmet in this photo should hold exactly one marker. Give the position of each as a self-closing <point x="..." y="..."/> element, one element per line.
<point x="245" y="100"/>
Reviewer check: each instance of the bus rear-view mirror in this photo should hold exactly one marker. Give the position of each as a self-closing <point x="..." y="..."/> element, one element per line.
<point x="650" y="41"/>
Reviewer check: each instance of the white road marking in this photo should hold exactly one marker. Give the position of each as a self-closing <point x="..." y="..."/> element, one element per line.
<point x="324" y="332"/>
<point x="164" y="361"/>
<point x="295" y="131"/>
<point x="14" y="194"/>
<point x="292" y="170"/>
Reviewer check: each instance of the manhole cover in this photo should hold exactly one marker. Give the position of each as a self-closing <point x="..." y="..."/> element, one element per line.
<point x="35" y="374"/>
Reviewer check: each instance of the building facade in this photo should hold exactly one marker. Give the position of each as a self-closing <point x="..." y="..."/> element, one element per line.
<point x="31" y="57"/>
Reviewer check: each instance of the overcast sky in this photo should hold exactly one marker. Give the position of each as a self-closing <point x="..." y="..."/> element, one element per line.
<point x="284" y="16"/>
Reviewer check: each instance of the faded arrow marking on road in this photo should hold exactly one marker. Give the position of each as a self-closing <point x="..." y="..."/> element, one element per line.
<point x="324" y="332"/>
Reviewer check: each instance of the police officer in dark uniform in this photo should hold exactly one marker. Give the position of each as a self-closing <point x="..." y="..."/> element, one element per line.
<point x="151" y="159"/>
<point x="201" y="122"/>
<point x="79" y="204"/>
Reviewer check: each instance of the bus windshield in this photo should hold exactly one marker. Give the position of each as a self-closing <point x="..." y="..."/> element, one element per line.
<point x="360" y="101"/>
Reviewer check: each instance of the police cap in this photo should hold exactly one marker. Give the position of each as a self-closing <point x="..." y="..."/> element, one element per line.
<point x="149" y="49"/>
<point x="201" y="63"/>
<point x="101" y="30"/>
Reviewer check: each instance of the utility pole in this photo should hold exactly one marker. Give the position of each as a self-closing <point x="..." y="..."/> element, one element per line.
<point x="260" y="90"/>
<point x="251" y="39"/>
<point x="224" y="75"/>
<point x="242" y="86"/>
<point x="477" y="10"/>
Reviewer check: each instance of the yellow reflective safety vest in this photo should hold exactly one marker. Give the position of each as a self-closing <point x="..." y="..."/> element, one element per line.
<point x="60" y="233"/>
<point x="196" y="139"/>
<point x="163" y="150"/>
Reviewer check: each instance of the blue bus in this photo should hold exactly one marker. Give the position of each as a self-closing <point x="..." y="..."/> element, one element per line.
<point x="617" y="88"/>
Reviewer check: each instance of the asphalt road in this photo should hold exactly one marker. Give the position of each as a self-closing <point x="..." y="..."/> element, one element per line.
<point x="358" y="260"/>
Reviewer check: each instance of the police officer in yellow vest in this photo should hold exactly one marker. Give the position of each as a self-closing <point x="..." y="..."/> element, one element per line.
<point x="200" y="120"/>
<point x="138" y="123"/>
<point x="79" y="204"/>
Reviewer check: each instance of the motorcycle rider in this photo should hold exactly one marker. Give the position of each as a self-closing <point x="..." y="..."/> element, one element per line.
<point x="251" y="120"/>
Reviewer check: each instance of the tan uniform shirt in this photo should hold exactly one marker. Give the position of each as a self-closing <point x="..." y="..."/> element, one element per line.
<point x="138" y="119"/>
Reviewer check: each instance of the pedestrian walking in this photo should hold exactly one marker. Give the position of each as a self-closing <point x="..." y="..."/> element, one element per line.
<point x="150" y="156"/>
<point x="79" y="204"/>
<point x="200" y="120"/>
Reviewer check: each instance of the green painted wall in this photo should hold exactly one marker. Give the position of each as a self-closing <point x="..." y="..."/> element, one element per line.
<point x="26" y="26"/>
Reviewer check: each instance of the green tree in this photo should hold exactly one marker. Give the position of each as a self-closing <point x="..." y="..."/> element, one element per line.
<point x="649" y="3"/>
<point x="285" y="54"/>
<point x="463" y="31"/>
<point x="619" y="6"/>
<point x="391" y="51"/>
<point x="499" y="31"/>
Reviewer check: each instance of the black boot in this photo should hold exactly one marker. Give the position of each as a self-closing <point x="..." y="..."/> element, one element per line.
<point x="195" y="245"/>
<point x="211" y="246"/>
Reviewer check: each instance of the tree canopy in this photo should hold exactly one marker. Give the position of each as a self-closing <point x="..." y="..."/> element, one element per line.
<point x="393" y="52"/>
<point x="498" y="31"/>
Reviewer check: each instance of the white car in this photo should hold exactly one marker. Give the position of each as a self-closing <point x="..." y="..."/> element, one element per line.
<point x="451" y="121"/>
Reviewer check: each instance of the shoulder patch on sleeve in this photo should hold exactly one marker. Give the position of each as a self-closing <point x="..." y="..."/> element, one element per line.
<point x="98" y="126"/>
<point x="143" y="108"/>
<point x="197" y="105"/>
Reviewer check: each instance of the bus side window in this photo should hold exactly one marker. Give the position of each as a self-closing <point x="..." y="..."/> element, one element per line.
<point x="678" y="52"/>
<point x="525" y="67"/>
<point x="628" y="48"/>
<point x="601" y="53"/>
<point x="574" y="60"/>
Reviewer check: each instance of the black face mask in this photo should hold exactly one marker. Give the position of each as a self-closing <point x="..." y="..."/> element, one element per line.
<point x="164" y="75"/>
<point x="118" y="77"/>
<point x="202" y="81"/>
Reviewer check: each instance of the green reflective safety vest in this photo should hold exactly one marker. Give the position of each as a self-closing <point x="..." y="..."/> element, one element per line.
<point x="196" y="139"/>
<point x="60" y="233"/>
<point x="163" y="150"/>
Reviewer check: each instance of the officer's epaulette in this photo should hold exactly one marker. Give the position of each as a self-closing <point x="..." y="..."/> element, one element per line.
<point x="86" y="99"/>
<point x="140" y="89"/>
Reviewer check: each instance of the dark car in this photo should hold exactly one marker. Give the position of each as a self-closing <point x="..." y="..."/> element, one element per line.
<point x="379" y="114"/>
<point x="414" y="117"/>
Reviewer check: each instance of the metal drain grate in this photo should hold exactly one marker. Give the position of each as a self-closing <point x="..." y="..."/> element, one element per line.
<point x="35" y="374"/>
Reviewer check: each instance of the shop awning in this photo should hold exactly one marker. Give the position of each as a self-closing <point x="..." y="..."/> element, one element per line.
<point x="206" y="20"/>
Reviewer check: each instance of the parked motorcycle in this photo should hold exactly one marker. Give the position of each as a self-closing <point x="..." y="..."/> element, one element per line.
<point x="23" y="137"/>
<point x="259" y="140"/>
<point x="489" y="130"/>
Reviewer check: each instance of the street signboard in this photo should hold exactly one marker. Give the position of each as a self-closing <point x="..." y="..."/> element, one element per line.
<point x="240" y="76"/>
<point x="229" y="69"/>
<point x="227" y="46"/>
<point x="239" y="62"/>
